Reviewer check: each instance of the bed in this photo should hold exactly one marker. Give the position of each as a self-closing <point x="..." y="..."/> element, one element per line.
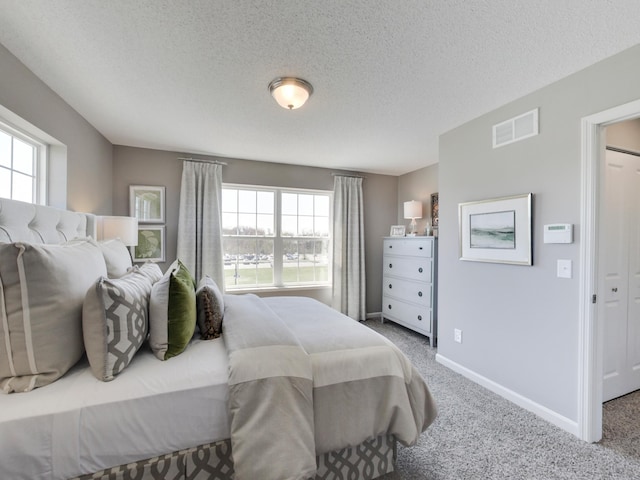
<point x="292" y="389"/>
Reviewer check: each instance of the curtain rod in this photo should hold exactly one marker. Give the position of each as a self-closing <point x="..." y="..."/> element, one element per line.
<point x="203" y="160"/>
<point x="334" y="174"/>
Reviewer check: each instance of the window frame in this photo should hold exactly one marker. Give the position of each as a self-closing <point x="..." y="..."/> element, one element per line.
<point x="40" y="162"/>
<point x="278" y="239"/>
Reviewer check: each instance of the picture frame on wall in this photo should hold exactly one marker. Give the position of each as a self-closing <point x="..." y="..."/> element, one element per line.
<point x="434" y="210"/>
<point x="151" y="244"/>
<point x="147" y="203"/>
<point x="496" y="230"/>
<point x="397" y="231"/>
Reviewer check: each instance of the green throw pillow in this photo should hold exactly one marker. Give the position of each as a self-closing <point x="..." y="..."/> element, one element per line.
<point x="182" y="311"/>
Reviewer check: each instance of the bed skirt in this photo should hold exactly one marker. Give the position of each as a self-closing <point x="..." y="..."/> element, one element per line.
<point x="213" y="461"/>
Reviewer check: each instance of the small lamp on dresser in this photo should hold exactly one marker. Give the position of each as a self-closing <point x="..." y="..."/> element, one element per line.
<point x="412" y="210"/>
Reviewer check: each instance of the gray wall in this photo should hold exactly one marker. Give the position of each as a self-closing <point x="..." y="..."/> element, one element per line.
<point x="520" y="324"/>
<point x="140" y="166"/>
<point x="417" y="185"/>
<point x="89" y="154"/>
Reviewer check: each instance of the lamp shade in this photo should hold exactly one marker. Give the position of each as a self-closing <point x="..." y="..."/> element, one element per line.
<point x="124" y="228"/>
<point x="412" y="209"/>
<point x="290" y="92"/>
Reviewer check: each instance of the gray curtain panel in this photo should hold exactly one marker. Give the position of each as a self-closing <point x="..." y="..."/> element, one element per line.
<point x="200" y="222"/>
<point x="349" y="288"/>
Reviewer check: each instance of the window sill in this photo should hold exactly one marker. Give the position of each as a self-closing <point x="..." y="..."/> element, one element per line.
<point x="278" y="289"/>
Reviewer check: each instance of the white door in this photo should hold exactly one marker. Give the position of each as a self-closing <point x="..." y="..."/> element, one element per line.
<point x="620" y="273"/>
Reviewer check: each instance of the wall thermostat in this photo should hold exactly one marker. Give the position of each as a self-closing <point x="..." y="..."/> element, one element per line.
<point x="558" y="233"/>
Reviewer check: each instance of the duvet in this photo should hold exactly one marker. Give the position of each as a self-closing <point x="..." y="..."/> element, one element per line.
<point x="305" y="380"/>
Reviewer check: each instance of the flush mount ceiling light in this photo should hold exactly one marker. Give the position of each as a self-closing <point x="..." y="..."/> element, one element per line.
<point x="290" y="92"/>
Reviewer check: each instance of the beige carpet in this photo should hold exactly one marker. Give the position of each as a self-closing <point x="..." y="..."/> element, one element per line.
<point x="621" y="425"/>
<point x="481" y="436"/>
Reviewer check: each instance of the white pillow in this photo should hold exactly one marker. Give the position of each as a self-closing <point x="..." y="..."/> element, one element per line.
<point x="172" y="312"/>
<point x="150" y="270"/>
<point x="116" y="256"/>
<point x="115" y="322"/>
<point x="41" y="294"/>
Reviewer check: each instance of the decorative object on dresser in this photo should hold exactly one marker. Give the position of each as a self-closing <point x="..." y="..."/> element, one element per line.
<point x="410" y="284"/>
<point x="412" y="210"/>
<point x="397" y="231"/>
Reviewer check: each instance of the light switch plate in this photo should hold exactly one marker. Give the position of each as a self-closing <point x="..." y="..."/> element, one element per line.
<point x="565" y="268"/>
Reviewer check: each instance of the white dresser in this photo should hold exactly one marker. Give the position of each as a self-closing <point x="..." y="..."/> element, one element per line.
<point x="409" y="289"/>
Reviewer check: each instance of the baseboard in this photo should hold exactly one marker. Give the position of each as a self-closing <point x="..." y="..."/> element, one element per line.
<point x="524" y="402"/>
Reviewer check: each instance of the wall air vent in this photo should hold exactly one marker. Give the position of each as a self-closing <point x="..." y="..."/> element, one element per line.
<point x="515" y="129"/>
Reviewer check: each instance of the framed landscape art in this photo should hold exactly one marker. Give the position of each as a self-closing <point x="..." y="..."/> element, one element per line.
<point x="496" y="230"/>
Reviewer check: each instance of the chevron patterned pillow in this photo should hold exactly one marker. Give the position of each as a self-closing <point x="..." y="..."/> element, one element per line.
<point x="115" y="322"/>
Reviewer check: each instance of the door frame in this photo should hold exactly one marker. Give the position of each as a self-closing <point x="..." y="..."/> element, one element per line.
<point x="590" y="328"/>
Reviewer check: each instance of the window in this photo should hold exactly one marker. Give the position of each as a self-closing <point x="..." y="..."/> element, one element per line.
<point x="22" y="166"/>
<point x="275" y="237"/>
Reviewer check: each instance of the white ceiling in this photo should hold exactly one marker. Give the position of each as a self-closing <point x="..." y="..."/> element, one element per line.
<point x="389" y="75"/>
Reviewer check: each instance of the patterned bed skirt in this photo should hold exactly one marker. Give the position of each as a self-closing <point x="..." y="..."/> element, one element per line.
<point x="213" y="461"/>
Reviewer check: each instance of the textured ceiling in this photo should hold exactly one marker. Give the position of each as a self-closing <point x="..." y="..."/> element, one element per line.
<point x="389" y="76"/>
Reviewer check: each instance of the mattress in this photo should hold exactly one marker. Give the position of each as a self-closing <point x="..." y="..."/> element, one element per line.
<point x="80" y="425"/>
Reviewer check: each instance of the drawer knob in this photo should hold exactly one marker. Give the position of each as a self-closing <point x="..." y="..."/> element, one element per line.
<point x="389" y="307"/>
<point x="391" y="265"/>
<point x="420" y="317"/>
<point x="390" y="246"/>
<point x="420" y="270"/>
<point x="420" y="248"/>
<point x="390" y="286"/>
<point x="419" y="294"/>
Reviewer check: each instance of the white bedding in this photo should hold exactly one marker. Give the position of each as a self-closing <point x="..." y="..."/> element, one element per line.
<point x="81" y="425"/>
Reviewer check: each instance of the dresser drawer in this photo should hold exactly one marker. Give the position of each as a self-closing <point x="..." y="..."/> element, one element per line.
<point x="420" y="247"/>
<point x="410" y="268"/>
<point x="412" y="316"/>
<point x="406" y="290"/>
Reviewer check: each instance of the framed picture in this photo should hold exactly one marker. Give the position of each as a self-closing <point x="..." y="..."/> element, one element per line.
<point x="146" y="203"/>
<point x="150" y="244"/>
<point x="397" y="231"/>
<point x="434" y="210"/>
<point x="496" y="230"/>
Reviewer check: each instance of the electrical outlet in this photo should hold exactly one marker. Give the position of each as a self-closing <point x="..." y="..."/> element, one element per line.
<point x="457" y="335"/>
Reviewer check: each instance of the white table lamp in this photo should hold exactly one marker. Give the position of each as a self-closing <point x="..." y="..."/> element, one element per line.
<point x="412" y="210"/>
<point x="124" y="228"/>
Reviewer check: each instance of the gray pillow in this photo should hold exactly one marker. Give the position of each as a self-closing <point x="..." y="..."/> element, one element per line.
<point x="210" y="304"/>
<point x="43" y="287"/>
<point x="116" y="256"/>
<point x="115" y="322"/>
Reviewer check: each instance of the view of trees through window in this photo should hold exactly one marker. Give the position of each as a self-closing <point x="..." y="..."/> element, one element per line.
<point x="274" y="237"/>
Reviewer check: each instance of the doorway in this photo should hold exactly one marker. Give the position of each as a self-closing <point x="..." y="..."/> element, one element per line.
<point x="619" y="265"/>
<point x="591" y="332"/>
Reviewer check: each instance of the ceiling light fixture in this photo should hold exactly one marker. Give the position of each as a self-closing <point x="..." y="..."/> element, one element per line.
<point x="290" y="92"/>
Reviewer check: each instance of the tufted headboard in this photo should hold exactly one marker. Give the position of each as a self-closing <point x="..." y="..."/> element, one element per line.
<point x="26" y="222"/>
